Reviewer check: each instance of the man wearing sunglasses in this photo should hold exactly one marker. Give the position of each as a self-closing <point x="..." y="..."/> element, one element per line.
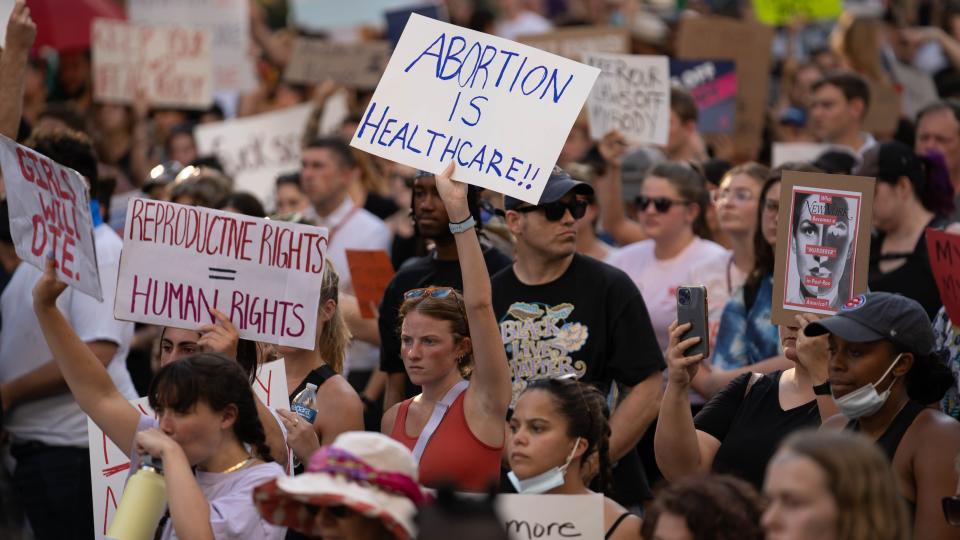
<point x="562" y="313"/>
<point x="439" y="268"/>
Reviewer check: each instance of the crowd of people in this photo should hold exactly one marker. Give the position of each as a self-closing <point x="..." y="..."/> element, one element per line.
<point x="518" y="348"/>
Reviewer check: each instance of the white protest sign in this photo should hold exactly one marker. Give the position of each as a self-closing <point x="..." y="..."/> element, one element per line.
<point x="526" y="517"/>
<point x="632" y="95"/>
<point x="50" y="213"/>
<point x="6" y="8"/>
<point x="110" y="465"/>
<point x="502" y="110"/>
<point x="254" y="150"/>
<point x="179" y="261"/>
<point x="784" y="152"/>
<point x="171" y="64"/>
<point x="227" y="20"/>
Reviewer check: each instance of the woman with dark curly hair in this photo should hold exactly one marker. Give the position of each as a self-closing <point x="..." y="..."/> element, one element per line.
<point x="707" y="507"/>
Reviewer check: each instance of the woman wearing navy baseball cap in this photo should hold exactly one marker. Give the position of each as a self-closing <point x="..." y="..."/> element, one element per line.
<point x="883" y="371"/>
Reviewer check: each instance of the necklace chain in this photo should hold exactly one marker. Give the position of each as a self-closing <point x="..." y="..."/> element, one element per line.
<point x="237" y="466"/>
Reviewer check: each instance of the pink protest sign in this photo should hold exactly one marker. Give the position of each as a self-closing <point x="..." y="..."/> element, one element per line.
<point x="50" y="213"/>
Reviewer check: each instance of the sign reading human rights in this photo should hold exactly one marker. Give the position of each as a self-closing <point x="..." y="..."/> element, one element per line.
<point x="632" y="96"/>
<point x="50" y="214"/>
<point x="500" y="109"/>
<point x="180" y="261"/>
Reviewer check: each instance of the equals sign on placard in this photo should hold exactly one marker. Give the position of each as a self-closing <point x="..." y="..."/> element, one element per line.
<point x="223" y="273"/>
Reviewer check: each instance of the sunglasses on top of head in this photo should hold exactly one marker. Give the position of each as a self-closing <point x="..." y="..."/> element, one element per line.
<point x="661" y="204"/>
<point x="555" y="211"/>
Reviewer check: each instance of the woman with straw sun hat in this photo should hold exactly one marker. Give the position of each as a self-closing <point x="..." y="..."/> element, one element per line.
<point x="362" y="487"/>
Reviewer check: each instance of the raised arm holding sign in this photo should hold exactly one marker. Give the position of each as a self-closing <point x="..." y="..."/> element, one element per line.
<point x="502" y="110"/>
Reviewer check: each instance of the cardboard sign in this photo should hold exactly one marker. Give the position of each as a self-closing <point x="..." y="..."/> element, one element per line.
<point x="632" y="95"/>
<point x="254" y="150"/>
<point x="713" y="86"/>
<point x="50" y="213"/>
<point x="500" y="109"/>
<point x="357" y="65"/>
<point x="172" y="65"/>
<point x="229" y="24"/>
<point x="573" y="43"/>
<point x="110" y="465"/>
<point x="944" y="253"/>
<point x="797" y="151"/>
<point x="397" y="19"/>
<point x="781" y="12"/>
<point x="179" y="261"/>
<point x="548" y="517"/>
<point x="370" y="273"/>
<point x="748" y="44"/>
<point x="319" y="15"/>
<point x="823" y="243"/>
<point x="884" y="110"/>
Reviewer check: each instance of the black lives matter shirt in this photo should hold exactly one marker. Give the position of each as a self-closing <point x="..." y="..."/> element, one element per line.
<point x="590" y="322"/>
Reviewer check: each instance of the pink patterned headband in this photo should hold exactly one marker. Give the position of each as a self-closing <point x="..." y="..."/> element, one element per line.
<point x="335" y="461"/>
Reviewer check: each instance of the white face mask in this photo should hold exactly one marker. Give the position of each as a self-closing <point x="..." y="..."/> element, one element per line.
<point x="865" y="401"/>
<point x="545" y="481"/>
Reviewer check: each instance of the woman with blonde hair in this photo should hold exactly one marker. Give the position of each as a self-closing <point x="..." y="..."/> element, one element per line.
<point x="833" y="485"/>
<point x="342" y="409"/>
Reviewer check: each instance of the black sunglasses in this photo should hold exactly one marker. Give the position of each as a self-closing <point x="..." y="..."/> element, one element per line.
<point x="661" y="204"/>
<point x="555" y="211"/>
<point x="951" y="510"/>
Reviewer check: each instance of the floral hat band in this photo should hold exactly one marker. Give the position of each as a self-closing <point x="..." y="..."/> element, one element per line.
<point x="338" y="462"/>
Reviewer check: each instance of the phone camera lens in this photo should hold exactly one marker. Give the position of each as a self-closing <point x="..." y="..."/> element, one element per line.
<point x="684" y="297"/>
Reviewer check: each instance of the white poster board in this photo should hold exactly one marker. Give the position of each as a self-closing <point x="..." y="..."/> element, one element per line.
<point x="318" y="15"/>
<point x="50" y="213"/>
<point x="229" y="24"/>
<point x="797" y="151"/>
<point x="110" y="465"/>
<point x="551" y="516"/>
<point x="632" y="95"/>
<point x="173" y="65"/>
<point x="6" y="8"/>
<point x="179" y="261"/>
<point x="254" y="150"/>
<point x="502" y="110"/>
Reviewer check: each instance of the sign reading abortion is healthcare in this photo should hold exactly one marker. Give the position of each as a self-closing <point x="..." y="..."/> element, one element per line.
<point x="502" y="110"/>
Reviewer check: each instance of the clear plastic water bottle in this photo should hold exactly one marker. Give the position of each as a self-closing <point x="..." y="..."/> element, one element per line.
<point x="142" y="504"/>
<point x="305" y="403"/>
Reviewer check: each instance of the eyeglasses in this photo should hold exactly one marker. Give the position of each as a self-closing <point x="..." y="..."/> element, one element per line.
<point x="951" y="510"/>
<point x="432" y="292"/>
<point x="741" y="196"/>
<point x="771" y="206"/>
<point x="661" y="204"/>
<point x="556" y="210"/>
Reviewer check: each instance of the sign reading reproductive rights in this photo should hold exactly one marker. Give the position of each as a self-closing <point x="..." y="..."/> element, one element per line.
<point x="254" y="150"/>
<point x="632" y="96"/>
<point x="50" y="213"/>
<point x="500" y="109"/>
<point x="179" y="261"/>
<point x="110" y="465"/>
<point x="172" y="65"/>
<point x="547" y="517"/>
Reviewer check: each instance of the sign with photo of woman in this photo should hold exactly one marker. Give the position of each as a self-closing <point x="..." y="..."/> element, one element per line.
<point x="823" y="243"/>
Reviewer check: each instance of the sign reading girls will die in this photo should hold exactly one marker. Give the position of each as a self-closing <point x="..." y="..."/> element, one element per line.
<point x="500" y="109"/>
<point x="50" y="215"/>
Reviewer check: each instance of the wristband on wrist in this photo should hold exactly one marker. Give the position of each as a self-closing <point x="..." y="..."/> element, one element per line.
<point x="463" y="226"/>
<point x="822" y="389"/>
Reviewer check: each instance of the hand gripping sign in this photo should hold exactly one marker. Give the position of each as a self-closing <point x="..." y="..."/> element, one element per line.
<point x="50" y="213"/>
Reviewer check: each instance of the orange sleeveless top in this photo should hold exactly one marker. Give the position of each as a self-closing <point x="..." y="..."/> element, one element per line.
<point x="454" y="455"/>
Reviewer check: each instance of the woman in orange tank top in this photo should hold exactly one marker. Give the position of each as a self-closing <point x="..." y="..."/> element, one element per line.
<point x="455" y="427"/>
